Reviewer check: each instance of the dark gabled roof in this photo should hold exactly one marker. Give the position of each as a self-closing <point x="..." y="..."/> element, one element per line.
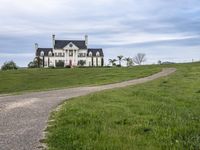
<point x="94" y="51"/>
<point x="45" y="50"/>
<point x="60" y="44"/>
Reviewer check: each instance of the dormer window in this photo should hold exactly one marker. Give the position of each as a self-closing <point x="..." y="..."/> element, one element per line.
<point x="50" y="53"/>
<point x="42" y="53"/>
<point x="90" y="54"/>
<point x="70" y="53"/>
<point x="97" y="54"/>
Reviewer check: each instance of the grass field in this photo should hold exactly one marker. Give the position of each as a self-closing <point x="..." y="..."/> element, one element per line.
<point x="162" y="114"/>
<point x="44" y="79"/>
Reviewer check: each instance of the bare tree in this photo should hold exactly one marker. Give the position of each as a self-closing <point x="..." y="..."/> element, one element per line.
<point x="120" y="59"/>
<point x="139" y="58"/>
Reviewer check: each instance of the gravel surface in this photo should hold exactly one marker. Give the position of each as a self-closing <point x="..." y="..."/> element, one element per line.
<point x="24" y="117"/>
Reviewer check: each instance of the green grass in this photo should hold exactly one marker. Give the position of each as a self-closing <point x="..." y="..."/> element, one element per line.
<point x="44" y="79"/>
<point x="162" y="114"/>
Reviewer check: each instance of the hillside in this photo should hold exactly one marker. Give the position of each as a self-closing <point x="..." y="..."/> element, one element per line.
<point x="47" y="79"/>
<point x="162" y="114"/>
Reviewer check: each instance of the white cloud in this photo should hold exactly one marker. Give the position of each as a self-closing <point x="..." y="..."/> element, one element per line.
<point x="139" y="38"/>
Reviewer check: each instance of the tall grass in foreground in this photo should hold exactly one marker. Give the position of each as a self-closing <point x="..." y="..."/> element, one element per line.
<point x="162" y="114"/>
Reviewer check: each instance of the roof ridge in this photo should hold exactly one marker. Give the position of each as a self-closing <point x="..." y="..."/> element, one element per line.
<point x="81" y="44"/>
<point x="71" y="40"/>
<point x="44" y="48"/>
<point x="94" y="48"/>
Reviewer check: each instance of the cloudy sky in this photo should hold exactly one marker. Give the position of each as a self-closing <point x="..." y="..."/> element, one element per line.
<point x="167" y="30"/>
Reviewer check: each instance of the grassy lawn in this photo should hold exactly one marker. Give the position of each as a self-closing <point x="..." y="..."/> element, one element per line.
<point x="43" y="79"/>
<point x="162" y="114"/>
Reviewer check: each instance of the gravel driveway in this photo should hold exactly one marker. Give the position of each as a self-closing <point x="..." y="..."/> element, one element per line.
<point x="23" y="117"/>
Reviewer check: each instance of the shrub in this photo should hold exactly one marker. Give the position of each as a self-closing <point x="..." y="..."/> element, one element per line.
<point x="10" y="65"/>
<point x="81" y="62"/>
<point x="36" y="63"/>
<point x="51" y="67"/>
<point x="60" y="64"/>
<point x="32" y="64"/>
<point x="68" y="66"/>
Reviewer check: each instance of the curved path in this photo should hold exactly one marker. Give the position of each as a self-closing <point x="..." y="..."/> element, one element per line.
<point x="24" y="117"/>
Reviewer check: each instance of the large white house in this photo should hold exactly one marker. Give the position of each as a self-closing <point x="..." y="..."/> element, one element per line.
<point x="70" y="53"/>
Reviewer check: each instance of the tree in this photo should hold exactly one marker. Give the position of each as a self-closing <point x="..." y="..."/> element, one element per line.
<point x="112" y="61"/>
<point x="129" y="61"/>
<point x="159" y="62"/>
<point x="38" y="61"/>
<point x="10" y="65"/>
<point x="139" y="58"/>
<point x="120" y="59"/>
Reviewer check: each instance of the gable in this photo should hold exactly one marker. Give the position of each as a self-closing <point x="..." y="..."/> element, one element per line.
<point x="71" y="46"/>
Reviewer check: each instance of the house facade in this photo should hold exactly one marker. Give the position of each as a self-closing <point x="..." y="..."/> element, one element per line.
<point x="70" y="53"/>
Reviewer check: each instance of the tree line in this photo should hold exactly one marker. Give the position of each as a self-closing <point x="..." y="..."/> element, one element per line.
<point x="137" y="59"/>
<point x="38" y="62"/>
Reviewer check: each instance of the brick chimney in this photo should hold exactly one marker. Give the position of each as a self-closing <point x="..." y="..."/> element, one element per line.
<point x="36" y="47"/>
<point x="86" y="40"/>
<point x="53" y="40"/>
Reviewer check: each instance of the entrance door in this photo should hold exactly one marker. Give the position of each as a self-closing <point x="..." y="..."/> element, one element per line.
<point x="70" y="62"/>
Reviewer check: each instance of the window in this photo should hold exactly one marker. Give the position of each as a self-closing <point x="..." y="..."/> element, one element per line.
<point x="50" y="53"/>
<point x="82" y="55"/>
<point x="59" y="54"/>
<point x="42" y="53"/>
<point x="90" y="54"/>
<point x="70" y="53"/>
<point x="97" y="54"/>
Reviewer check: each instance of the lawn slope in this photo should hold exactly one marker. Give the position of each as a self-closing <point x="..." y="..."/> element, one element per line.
<point x="44" y="79"/>
<point x="162" y="114"/>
